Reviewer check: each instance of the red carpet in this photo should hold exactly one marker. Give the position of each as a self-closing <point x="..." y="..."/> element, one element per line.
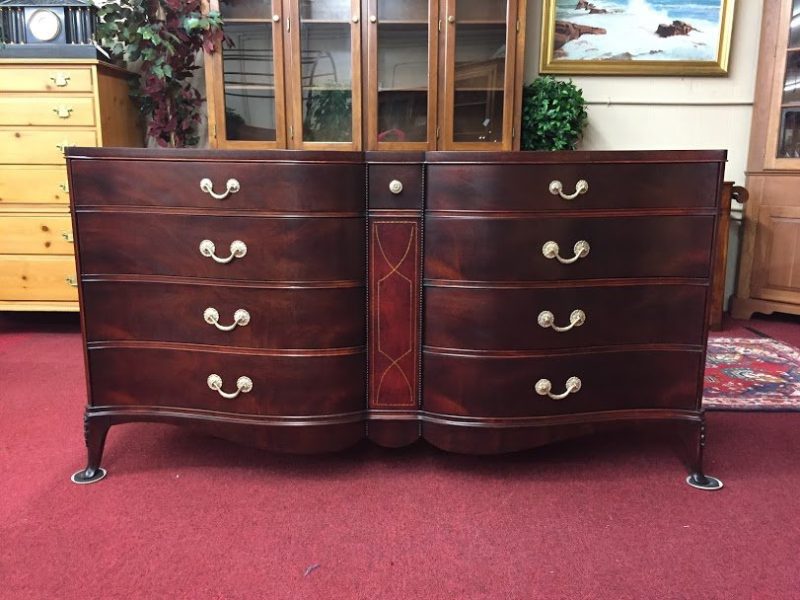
<point x="183" y="516"/>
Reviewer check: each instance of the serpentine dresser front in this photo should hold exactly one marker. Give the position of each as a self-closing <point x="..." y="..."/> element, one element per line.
<point x="486" y="302"/>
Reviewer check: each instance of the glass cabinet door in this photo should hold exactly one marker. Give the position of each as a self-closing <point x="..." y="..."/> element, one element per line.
<point x="481" y="43"/>
<point x="402" y="55"/>
<point x="325" y="74"/>
<point x="250" y="111"/>
<point x="789" y="134"/>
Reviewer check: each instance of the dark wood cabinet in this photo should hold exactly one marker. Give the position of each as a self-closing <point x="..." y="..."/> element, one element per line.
<point x="485" y="302"/>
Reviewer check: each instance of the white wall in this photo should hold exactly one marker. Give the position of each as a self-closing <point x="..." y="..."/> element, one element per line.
<point x="666" y="113"/>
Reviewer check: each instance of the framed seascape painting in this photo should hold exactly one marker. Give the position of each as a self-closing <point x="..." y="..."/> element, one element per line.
<point x="636" y="37"/>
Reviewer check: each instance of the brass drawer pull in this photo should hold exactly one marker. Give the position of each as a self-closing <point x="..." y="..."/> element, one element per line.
<point x="71" y="280"/>
<point x="64" y="145"/>
<point x="243" y="386"/>
<point x="547" y="319"/>
<point x="231" y="187"/>
<point x="63" y="112"/>
<point x="211" y="316"/>
<point x="544" y="388"/>
<point x="557" y="189"/>
<point x="396" y="186"/>
<point x="68" y="237"/>
<point x="60" y="79"/>
<point x="64" y="187"/>
<point x="238" y="250"/>
<point x="581" y="249"/>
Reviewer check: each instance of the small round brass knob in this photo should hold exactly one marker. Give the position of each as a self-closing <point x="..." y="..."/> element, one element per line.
<point x="355" y="18"/>
<point x="395" y="186"/>
<point x="451" y="19"/>
<point x="373" y="19"/>
<point x="276" y="18"/>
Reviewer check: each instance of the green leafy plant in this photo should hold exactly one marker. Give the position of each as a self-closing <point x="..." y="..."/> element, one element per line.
<point x="164" y="37"/>
<point x="553" y="115"/>
<point x="328" y="115"/>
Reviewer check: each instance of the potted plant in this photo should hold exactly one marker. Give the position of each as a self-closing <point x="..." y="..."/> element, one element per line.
<point x="163" y="37"/>
<point x="553" y="115"/>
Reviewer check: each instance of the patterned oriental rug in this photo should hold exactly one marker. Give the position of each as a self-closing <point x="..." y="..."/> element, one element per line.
<point x="751" y="374"/>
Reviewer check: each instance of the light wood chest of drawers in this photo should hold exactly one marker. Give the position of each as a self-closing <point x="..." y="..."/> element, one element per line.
<point x="45" y="106"/>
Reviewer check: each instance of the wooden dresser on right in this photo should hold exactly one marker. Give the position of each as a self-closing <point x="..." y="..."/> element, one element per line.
<point x="769" y="280"/>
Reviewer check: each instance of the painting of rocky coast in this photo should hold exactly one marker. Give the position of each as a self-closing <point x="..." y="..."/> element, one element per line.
<point x="635" y="30"/>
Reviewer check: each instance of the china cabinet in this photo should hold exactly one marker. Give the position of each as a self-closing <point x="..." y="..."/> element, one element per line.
<point x="367" y="74"/>
<point x="769" y="280"/>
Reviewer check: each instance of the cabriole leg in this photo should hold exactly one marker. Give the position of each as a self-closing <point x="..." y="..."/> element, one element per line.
<point x="94" y="431"/>
<point x="697" y="478"/>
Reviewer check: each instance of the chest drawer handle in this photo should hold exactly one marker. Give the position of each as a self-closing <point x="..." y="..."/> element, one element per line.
<point x="71" y="280"/>
<point x="238" y="250"/>
<point x="243" y="386"/>
<point x="231" y="187"/>
<point x="67" y="235"/>
<point x="241" y="318"/>
<point x="581" y="249"/>
<point x="557" y="189"/>
<point x="544" y="388"/>
<point x="60" y="79"/>
<point x="547" y="319"/>
<point x="63" y="112"/>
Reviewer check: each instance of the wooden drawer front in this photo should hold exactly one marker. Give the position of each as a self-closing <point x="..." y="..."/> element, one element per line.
<point x="279" y="318"/>
<point x="282" y="385"/>
<point x="278" y="249"/>
<point x="33" y="185"/>
<point x="41" y="147"/>
<point x="37" y="278"/>
<point x="279" y="187"/>
<point x="45" y="111"/>
<point x="45" y="79"/>
<point x="507" y="319"/>
<point x="504" y="387"/>
<point x="527" y="187"/>
<point x="474" y="249"/>
<point x="40" y="234"/>
<point x="382" y="180"/>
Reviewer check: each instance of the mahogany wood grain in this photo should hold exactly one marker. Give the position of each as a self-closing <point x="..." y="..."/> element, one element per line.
<point x="278" y="249"/>
<point x="380" y="176"/>
<point x="295" y="317"/>
<point x="483" y="249"/>
<point x="503" y="386"/>
<point x="152" y="376"/>
<point x="506" y="318"/>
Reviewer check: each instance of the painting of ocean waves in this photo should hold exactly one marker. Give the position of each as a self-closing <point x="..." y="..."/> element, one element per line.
<point x="652" y="30"/>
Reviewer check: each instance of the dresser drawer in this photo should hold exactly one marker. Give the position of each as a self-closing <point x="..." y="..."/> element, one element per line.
<point x="22" y="146"/>
<point x="263" y="186"/>
<point x="282" y="385"/>
<point x="37" y="234"/>
<point x="505" y="386"/>
<point x="508" y="318"/>
<point x="38" y="278"/>
<point x="478" y="249"/>
<point x="522" y="187"/>
<point x="316" y="317"/>
<point x="45" y="79"/>
<point x="278" y="249"/>
<point x="33" y="185"/>
<point x="47" y="110"/>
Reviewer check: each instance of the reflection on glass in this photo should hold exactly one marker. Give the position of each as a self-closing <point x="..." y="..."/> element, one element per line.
<point x="244" y="9"/>
<point x="249" y="76"/>
<point x="402" y="82"/>
<point x="479" y="74"/>
<point x="794" y="26"/>
<point x="407" y="10"/>
<point x="789" y="141"/>
<point x="492" y="11"/>
<point x="791" y="83"/>
<point x="325" y="10"/>
<point x="326" y="74"/>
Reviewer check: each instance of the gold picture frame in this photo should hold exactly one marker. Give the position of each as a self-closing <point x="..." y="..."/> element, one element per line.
<point x="596" y="54"/>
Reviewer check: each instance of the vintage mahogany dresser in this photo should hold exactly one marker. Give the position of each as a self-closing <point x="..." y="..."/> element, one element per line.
<point x="486" y="302"/>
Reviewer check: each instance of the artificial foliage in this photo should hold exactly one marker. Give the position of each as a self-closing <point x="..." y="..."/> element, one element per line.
<point x="163" y="37"/>
<point x="553" y="115"/>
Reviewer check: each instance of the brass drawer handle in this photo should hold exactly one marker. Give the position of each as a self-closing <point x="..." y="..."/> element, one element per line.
<point x="396" y="186"/>
<point x="547" y="319"/>
<point x="557" y="189"/>
<point x="60" y="79"/>
<point x="238" y="250"/>
<point x="240" y="318"/>
<point x="231" y="187"/>
<point x="544" y="388"/>
<point x="68" y="237"/>
<point x="64" y="187"/>
<point x="243" y="386"/>
<point x="551" y="249"/>
<point x="64" y="145"/>
<point x="63" y="112"/>
<point x="71" y="280"/>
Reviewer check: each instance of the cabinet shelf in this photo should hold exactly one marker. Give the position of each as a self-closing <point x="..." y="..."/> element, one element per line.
<point x="402" y="22"/>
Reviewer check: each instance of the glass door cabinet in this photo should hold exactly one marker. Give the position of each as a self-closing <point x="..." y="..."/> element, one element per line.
<point x="367" y="74"/>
